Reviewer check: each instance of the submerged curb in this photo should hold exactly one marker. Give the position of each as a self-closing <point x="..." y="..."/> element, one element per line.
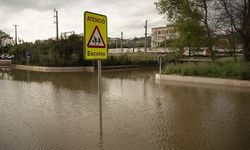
<point x="53" y="69"/>
<point x="120" y="67"/>
<point x="5" y="62"/>
<point x="204" y="80"/>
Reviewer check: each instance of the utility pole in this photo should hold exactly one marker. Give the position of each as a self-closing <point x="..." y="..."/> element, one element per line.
<point x="166" y="39"/>
<point x="15" y="33"/>
<point x="146" y="26"/>
<point x="134" y="44"/>
<point x="121" y="41"/>
<point x="156" y="39"/>
<point x="56" y="22"/>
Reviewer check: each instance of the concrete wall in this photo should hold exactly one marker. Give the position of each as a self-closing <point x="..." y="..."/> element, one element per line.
<point x="5" y="62"/>
<point x="142" y="49"/>
<point x="204" y="80"/>
<point x="53" y="69"/>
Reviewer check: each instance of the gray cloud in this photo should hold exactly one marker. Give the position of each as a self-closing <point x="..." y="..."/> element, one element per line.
<point x="34" y="4"/>
<point x="36" y="17"/>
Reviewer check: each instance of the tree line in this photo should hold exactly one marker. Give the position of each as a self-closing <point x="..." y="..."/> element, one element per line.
<point x="64" y="52"/>
<point x="6" y="42"/>
<point x="200" y="22"/>
<point x="67" y="51"/>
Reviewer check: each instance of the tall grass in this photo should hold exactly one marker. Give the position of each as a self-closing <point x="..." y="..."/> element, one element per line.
<point x="132" y="59"/>
<point x="225" y="68"/>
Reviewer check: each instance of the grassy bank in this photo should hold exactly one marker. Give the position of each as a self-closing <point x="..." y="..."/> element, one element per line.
<point x="225" y="68"/>
<point x="139" y="58"/>
<point x="5" y="62"/>
<point x="132" y="59"/>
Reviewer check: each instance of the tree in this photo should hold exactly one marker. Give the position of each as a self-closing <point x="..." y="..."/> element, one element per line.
<point x="191" y="35"/>
<point x="192" y="20"/>
<point x="71" y="49"/>
<point x="236" y="13"/>
<point x="5" y="41"/>
<point x="205" y="7"/>
<point x="228" y="16"/>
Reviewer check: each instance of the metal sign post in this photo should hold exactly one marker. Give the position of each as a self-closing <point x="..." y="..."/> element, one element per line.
<point x="160" y="64"/>
<point x="27" y="61"/>
<point x="27" y="55"/>
<point x="99" y="62"/>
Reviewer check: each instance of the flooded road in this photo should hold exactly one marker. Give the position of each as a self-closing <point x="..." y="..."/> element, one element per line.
<point x="42" y="111"/>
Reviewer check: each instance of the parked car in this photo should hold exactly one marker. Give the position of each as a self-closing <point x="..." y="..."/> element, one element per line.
<point x="9" y="57"/>
<point x="6" y="56"/>
<point x="2" y="57"/>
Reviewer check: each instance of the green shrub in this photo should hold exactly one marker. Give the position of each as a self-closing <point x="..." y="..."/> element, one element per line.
<point x="225" y="68"/>
<point x="131" y="59"/>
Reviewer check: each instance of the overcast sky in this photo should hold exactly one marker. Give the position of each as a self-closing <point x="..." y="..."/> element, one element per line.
<point x="35" y="17"/>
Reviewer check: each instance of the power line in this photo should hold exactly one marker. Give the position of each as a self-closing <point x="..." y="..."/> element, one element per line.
<point x="130" y="35"/>
<point x="146" y="34"/>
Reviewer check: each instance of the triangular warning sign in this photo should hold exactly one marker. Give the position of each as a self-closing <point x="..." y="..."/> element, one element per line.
<point x="96" y="40"/>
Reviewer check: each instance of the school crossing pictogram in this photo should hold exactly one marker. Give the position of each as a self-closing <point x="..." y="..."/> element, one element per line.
<point x="96" y="40"/>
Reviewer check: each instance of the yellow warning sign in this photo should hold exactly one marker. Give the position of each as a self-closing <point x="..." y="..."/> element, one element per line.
<point x="95" y="36"/>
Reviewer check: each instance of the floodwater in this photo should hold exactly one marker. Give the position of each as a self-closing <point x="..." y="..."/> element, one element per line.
<point x="50" y="111"/>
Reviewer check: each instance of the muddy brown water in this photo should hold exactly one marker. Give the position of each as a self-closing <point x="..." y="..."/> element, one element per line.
<point x="49" y="111"/>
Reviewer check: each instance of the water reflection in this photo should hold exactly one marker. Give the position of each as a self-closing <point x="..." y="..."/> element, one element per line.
<point x="211" y="114"/>
<point x="71" y="81"/>
<point x="61" y="111"/>
<point x="184" y="127"/>
<point x="5" y="73"/>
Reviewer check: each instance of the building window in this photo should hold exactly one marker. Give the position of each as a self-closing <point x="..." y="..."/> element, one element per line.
<point x="159" y="32"/>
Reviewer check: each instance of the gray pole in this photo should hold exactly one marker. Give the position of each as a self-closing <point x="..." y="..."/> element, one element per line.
<point x="57" y="25"/>
<point x="56" y="22"/>
<point x="160" y="65"/>
<point x="100" y="92"/>
<point x="166" y="39"/>
<point x="165" y="43"/>
<point x="146" y="26"/>
<point x="27" y="60"/>
<point x="156" y="39"/>
<point x="15" y="33"/>
<point x="121" y="41"/>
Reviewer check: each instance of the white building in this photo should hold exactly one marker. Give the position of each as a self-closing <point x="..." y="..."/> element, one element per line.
<point x="160" y="34"/>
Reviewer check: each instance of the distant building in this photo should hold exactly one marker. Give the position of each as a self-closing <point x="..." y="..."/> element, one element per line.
<point x="113" y="41"/>
<point x="128" y="43"/>
<point x="160" y="34"/>
<point x="65" y="35"/>
<point x="81" y="34"/>
<point x="140" y="42"/>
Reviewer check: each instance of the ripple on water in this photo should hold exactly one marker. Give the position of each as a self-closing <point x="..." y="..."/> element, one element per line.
<point x="61" y="111"/>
